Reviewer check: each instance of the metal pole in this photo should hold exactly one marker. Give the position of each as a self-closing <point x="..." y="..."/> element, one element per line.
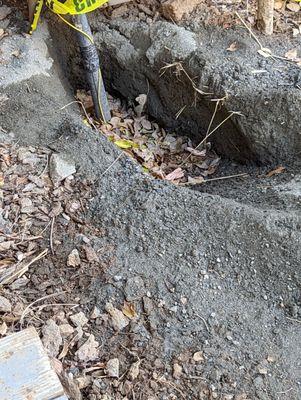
<point x="92" y="68"/>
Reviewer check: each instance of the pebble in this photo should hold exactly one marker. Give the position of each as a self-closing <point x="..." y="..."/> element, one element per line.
<point x="3" y="329"/>
<point x="134" y="371"/>
<point x="118" y="320"/>
<point x="60" y="168"/>
<point x="5" y="305"/>
<point x="112" y="368"/>
<point x="95" y="313"/>
<point x="73" y="259"/>
<point x="52" y="339"/>
<point x="177" y="371"/>
<point x="66" y="330"/>
<point x="4" y="12"/>
<point x="79" y="319"/>
<point x="134" y="288"/>
<point x="198" y="356"/>
<point x="89" y="350"/>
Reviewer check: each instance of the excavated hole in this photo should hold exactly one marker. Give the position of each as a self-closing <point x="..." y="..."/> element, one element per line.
<point x="227" y="142"/>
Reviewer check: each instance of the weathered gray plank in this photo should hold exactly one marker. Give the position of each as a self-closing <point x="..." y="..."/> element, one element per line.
<point x="25" y="370"/>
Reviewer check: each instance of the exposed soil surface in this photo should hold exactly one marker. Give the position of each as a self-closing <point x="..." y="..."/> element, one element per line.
<point x="140" y="288"/>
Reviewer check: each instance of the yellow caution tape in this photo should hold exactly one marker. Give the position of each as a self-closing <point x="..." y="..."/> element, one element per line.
<point x="71" y="7"/>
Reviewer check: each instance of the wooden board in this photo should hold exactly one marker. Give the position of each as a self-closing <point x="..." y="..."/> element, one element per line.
<point x="25" y="370"/>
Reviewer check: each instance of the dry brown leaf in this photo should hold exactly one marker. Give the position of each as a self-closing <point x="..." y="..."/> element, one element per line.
<point x="276" y="171"/>
<point x="85" y="98"/>
<point x="232" y="47"/>
<point x="176" y="174"/>
<point x="128" y="310"/>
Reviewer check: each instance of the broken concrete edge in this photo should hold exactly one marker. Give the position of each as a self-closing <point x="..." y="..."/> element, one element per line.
<point x="266" y="127"/>
<point x="24" y="57"/>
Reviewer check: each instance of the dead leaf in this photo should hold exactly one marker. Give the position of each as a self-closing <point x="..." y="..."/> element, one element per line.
<point x="176" y="174"/>
<point x="128" y="310"/>
<point x="141" y="100"/>
<point x="126" y="144"/>
<point x="292" y="55"/>
<point x="85" y="98"/>
<point x="293" y="6"/>
<point x="232" y="47"/>
<point x="276" y="171"/>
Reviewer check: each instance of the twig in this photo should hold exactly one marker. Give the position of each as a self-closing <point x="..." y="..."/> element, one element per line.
<point x="180" y="112"/>
<point x="51" y="235"/>
<point x="24" y="269"/>
<point x="36" y="301"/>
<point x="226" y="177"/>
<point x="110" y="166"/>
<point x="85" y="112"/>
<point x="210" y="133"/>
<point x="212" y="118"/>
<point x="267" y="51"/>
<point x="204" y="321"/>
<point x="220" y="178"/>
<point x="179" y="68"/>
<point x="249" y="30"/>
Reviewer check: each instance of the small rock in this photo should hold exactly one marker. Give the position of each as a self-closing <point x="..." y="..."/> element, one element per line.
<point x="66" y="330"/>
<point x="95" y="313"/>
<point x="5" y="305"/>
<point x="198" y="356"/>
<point x="89" y="350"/>
<point x="262" y="370"/>
<point x="60" y="168"/>
<point x="52" y="339"/>
<point x="26" y="206"/>
<point x="118" y="320"/>
<point x="90" y="254"/>
<point x="112" y="368"/>
<point x="73" y="259"/>
<point x="79" y="319"/>
<point x="5" y="246"/>
<point x="3" y="329"/>
<point x="176" y="9"/>
<point x="4" y="12"/>
<point x="148" y="305"/>
<point x="134" y="371"/>
<point x="83" y="381"/>
<point x="134" y="288"/>
<point x="177" y="371"/>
